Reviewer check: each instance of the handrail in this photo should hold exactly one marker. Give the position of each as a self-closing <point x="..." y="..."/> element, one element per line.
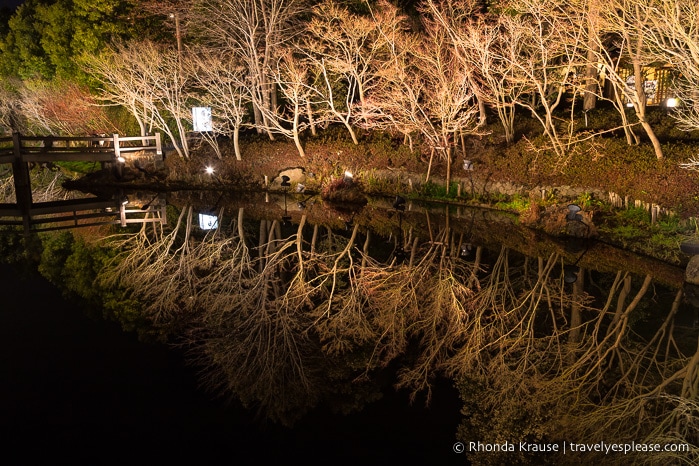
<point x="36" y="147"/>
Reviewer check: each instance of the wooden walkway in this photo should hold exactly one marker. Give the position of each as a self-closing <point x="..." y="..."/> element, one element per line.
<point x="21" y="151"/>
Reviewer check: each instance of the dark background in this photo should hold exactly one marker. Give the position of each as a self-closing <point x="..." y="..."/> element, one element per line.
<point x="79" y="391"/>
<point x="9" y="3"/>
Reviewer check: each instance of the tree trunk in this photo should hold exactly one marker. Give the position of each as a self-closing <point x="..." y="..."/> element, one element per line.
<point x="236" y="142"/>
<point x="653" y="138"/>
<point x="311" y="120"/>
<point x="297" y="139"/>
<point x="429" y="166"/>
<point x="482" y="113"/>
<point x="591" y="85"/>
<point x="351" y="131"/>
<point x="591" y="78"/>
<point x="575" y="315"/>
<point x="448" y="152"/>
<point x="640" y="108"/>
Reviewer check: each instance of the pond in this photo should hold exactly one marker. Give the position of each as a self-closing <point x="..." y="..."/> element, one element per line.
<point x="293" y="307"/>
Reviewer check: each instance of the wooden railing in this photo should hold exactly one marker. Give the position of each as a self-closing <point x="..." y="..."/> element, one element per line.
<point x="20" y="151"/>
<point x="68" y="149"/>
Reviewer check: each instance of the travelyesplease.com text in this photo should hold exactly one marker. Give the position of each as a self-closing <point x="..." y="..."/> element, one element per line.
<point x="563" y="447"/>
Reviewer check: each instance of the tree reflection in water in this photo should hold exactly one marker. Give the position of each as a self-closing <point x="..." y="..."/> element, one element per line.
<point x="303" y="315"/>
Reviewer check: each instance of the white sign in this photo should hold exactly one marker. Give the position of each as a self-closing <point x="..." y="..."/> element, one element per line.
<point x="201" y="119"/>
<point x="208" y="222"/>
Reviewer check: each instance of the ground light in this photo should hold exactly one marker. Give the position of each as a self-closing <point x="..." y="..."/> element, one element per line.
<point x="348" y="177"/>
<point x="466" y="249"/>
<point x="119" y="167"/>
<point x="210" y="170"/>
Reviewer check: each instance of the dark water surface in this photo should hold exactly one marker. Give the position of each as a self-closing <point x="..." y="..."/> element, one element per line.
<point x="79" y="391"/>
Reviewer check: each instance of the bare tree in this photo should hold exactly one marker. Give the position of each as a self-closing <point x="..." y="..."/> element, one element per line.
<point x="11" y="118"/>
<point x="349" y="50"/>
<point x="482" y="43"/>
<point x="626" y="22"/>
<point x="255" y="31"/>
<point x="148" y="80"/>
<point x="120" y="83"/>
<point x="670" y="28"/>
<point x="61" y="108"/>
<point x="331" y="108"/>
<point x="221" y="84"/>
<point x="291" y="75"/>
<point x="424" y="88"/>
<point x="544" y="63"/>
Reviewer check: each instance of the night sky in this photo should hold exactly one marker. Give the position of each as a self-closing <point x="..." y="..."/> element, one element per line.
<point x="80" y="391"/>
<point x="9" y="3"/>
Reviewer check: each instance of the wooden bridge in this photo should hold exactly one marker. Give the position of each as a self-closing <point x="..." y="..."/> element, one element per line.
<point x="21" y="151"/>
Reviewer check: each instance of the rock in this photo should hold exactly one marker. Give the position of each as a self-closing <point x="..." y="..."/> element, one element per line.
<point x="691" y="294"/>
<point x="690" y="247"/>
<point x="296" y="175"/>
<point x="691" y="274"/>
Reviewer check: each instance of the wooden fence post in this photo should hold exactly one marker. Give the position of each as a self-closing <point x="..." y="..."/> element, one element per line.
<point x="158" y="144"/>
<point x="23" y="183"/>
<point x="118" y="165"/>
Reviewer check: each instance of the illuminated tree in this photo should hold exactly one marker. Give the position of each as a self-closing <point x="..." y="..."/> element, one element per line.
<point x="221" y="84"/>
<point x="256" y="32"/>
<point x="60" y="107"/>
<point x="150" y="82"/>
<point x="10" y="100"/>
<point x="290" y="74"/>
<point x="424" y="88"/>
<point x="671" y="29"/>
<point x="542" y="66"/>
<point x="625" y="22"/>
<point x="348" y="50"/>
<point x="482" y="43"/>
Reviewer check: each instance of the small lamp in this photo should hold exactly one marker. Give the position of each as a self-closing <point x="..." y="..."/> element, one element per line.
<point x="399" y="203"/>
<point x="570" y="273"/>
<point x="348" y="178"/>
<point x="466" y="249"/>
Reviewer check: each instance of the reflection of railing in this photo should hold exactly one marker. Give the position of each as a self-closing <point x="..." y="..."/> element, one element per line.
<point x="20" y="151"/>
<point x="58" y="215"/>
